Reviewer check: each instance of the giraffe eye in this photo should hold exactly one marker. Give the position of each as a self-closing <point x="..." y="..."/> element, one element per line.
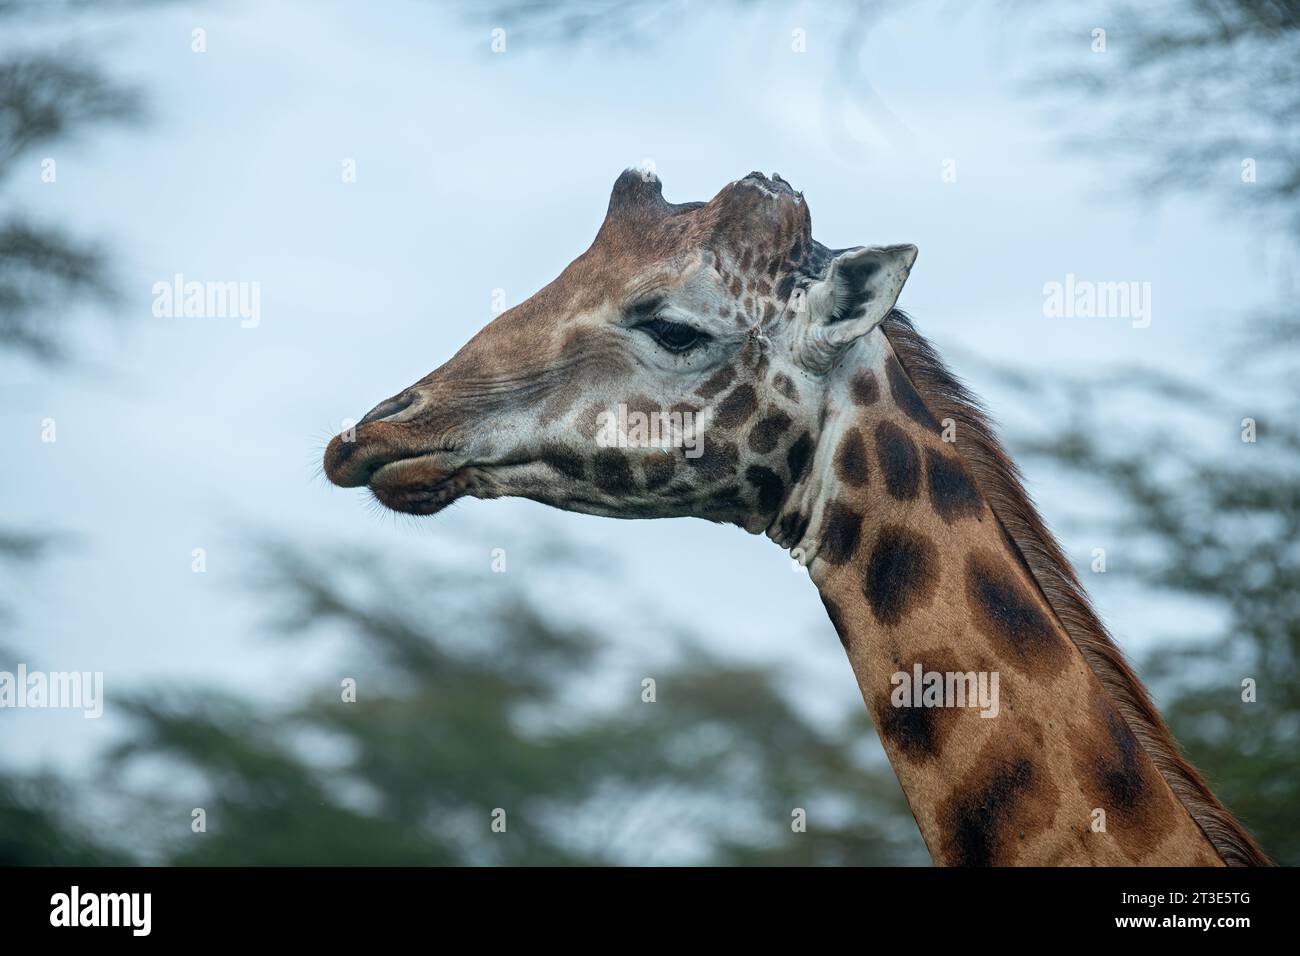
<point x="674" y="336"/>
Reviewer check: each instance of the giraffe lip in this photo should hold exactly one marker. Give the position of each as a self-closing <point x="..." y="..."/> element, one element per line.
<point x="399" y="468"/>
<point x="421" y="484"/>
<point x="418" y="501"/>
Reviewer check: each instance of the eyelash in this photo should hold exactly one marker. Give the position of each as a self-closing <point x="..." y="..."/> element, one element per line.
<point x="662" y="329"/>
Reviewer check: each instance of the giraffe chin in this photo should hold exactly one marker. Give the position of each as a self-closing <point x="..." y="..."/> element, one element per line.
<point x="418" y="486"/>
<point x="417" y="501"/>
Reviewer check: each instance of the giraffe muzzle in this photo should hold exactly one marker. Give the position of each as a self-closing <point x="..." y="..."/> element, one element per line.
<point x="414" y="481"/>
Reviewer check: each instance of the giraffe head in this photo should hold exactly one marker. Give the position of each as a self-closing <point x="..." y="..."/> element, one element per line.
<point x="681" y="366"/>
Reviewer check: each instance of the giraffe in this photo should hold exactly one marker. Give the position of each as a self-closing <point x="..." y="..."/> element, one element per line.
<point x="826" y="422"/>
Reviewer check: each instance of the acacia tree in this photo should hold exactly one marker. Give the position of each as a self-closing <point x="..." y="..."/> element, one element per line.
<point x="47" y="97"/>
<point x="469" y="706"/>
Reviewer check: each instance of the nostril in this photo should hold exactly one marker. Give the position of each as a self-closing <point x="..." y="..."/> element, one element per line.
<point x="338" y="453"/>
<point x="350" y="464"/>
<point x="388" y="408"/>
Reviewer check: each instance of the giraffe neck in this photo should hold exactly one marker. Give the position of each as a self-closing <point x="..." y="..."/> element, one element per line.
<point x="1009" y="750"/>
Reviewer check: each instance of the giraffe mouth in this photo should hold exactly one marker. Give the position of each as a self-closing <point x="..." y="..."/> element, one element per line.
<point x="420" y="485"/>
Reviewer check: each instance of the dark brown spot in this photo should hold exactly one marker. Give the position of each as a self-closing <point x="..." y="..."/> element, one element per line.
<point x="771" y="489"/>
<point x="952" y="492"/>
<point x="917" y="723"/>
<point x="915" y="730"/>
<point x="644" y="404"/>
<point x="841" y="529"/>
<point x="864" y="388"/>
<point x="901" y="574"/>
<point x="1121" y="772"/>
<point x="912" y="730"/>
<point x="611" y="471"/>
<point x="736" y="408"/>
<point x="564" y="461"/>
<point x="785" y="385"/>
<point x="716" y="462"/>
<point x="1118" y="776"/>
<point x="900" y="462"/>
<point x="851" y="459"/>
<point x="906" y="396"/>
<point x="986" y="822"/>
<point x="798" y="456"/>
<point x="720" y="380"/>
<point x="1007" y="613"/>
<point x="764" y="436"/>
<point x="658" y="467"/>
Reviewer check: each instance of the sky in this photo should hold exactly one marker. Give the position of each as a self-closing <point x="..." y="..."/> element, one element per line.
<point x="479" y="171"/>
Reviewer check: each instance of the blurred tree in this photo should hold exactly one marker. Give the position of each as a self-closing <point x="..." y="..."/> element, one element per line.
<point x="38" y="826"/>
<point x="469" y="699"/>
<point x="46" y="98"/>
<point x="1199" y="96"/>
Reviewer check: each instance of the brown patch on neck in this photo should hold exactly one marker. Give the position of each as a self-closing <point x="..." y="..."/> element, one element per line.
<point x="988" y="824"/>
<point x="998" y="478"/>
<point x="1116" y="779"/>
<point x="917" y="731"/>
<point x="1005" y="613"/>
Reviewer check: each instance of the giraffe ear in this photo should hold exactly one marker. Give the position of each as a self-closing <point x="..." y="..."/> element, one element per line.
<point x="860" y="287"/>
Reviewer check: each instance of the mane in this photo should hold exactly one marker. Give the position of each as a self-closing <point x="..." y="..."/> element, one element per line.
<point x="999" y="479"/>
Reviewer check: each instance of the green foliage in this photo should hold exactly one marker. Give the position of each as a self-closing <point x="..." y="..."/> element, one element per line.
<point x="470" y="699"/>
<point x="47" y="98"/>
<point x="38" y="828"/>
<point x="1187" y="91"/>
